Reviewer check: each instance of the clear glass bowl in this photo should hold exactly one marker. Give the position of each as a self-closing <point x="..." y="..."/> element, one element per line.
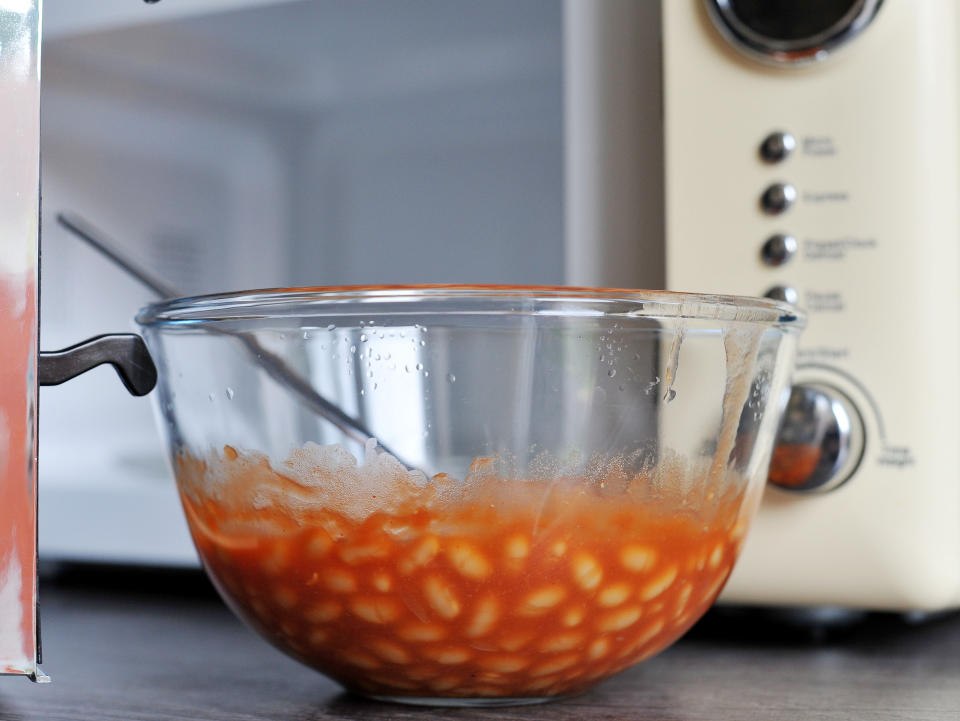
<point x="577" y="470"/>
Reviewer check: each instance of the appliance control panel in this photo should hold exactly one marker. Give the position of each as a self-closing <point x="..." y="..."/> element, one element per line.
<point x="811" y="155"/>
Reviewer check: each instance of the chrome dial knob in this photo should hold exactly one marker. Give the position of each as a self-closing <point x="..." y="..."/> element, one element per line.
<point x="821" y="440"/>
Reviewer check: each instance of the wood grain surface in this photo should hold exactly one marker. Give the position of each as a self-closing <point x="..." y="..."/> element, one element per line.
<point x="141" y="646"/>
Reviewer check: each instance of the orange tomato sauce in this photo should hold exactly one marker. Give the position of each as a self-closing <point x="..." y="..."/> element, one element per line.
<point x="496" y="588"/>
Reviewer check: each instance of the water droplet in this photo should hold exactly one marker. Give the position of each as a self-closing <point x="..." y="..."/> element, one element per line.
<point x="353" y="349"/>
<point x="620" y="388"/>
<point x="369" y="374"/>
<point x="426" y="433"/>
<point x="360" y="357"/>
<point x="374" y="386"/>
<point x="419" y="366"/>
<point x="612" y="372"/>
<point x="386" y="357"/>
<point x="451" y="377"/>
<point x="361" y="392"/>
<point x="331" y="327"/>
<point x="669" y="395"/>
<point x="426" y="374"/>
<point x="377" y="356"/>
<point x="230" y="393"/>
<point x="212" y="397"/>
<point x="306" y="335"/>
<point x="406" y="368"/>
<point x="423" y="343"/>
<point x="363" y="337"/>
<point x="361" y="324"/>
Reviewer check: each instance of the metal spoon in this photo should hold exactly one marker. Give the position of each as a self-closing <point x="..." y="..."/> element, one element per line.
<point x="273" y="364"/>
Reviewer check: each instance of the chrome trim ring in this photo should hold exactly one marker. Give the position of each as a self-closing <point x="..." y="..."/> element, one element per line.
<point x="802" y="51"/>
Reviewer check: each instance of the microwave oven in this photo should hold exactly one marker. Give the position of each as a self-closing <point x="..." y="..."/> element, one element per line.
<point x="810" y="153"/>
<point x="806" y="151"/>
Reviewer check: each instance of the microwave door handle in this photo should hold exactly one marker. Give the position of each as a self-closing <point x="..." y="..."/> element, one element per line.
<point x="126" y="352"/>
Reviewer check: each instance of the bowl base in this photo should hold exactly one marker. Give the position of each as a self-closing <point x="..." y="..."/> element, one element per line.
<point x="453" y="702"/>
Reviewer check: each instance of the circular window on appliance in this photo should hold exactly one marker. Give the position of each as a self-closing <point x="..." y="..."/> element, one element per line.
<point x="791" y="31"/>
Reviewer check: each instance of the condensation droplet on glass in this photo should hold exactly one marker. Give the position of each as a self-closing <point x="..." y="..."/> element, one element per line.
<point x="361" y="392"/>
<point x="419" y="366"/>
<point x="602" y="357"/>
<point x="423" y="343"/>
<point x="620" y="388"/>
<point x="369" y="374"/>
<point x="374" y="386"/>
<point x="360" y="357"/>
<point x="451" y="377"/>
<point x="331" y="327"/>
<point x="230" y="393"/>
<point x="363" y="336"/>
<point x="212" y="397"/>
<point x="669" y="395"/>
<point x="353" y="349"/>
<point x="377" y="357"/>
<point x="406" y="369"/>
<point x="426" y="374"/>
<point x="386" y="357"/>
<point x="612" y="372"/>
<point x="426" y="433"/>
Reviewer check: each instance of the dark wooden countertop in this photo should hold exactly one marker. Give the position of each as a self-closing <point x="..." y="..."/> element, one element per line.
<point x="123" y="644"/>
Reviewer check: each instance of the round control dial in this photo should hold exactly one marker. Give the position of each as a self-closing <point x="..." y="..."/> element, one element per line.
<point x="821" y="440"/>
<point x="791" y="31"/>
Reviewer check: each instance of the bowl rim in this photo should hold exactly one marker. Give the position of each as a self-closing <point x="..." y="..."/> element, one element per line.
<point x="267" y="303"/>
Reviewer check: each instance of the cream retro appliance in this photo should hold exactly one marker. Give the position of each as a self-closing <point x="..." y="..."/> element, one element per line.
<point x="810" y="154"/>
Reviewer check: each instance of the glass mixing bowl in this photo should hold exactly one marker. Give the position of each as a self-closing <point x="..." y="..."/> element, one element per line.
<point x="570" y="473"/>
